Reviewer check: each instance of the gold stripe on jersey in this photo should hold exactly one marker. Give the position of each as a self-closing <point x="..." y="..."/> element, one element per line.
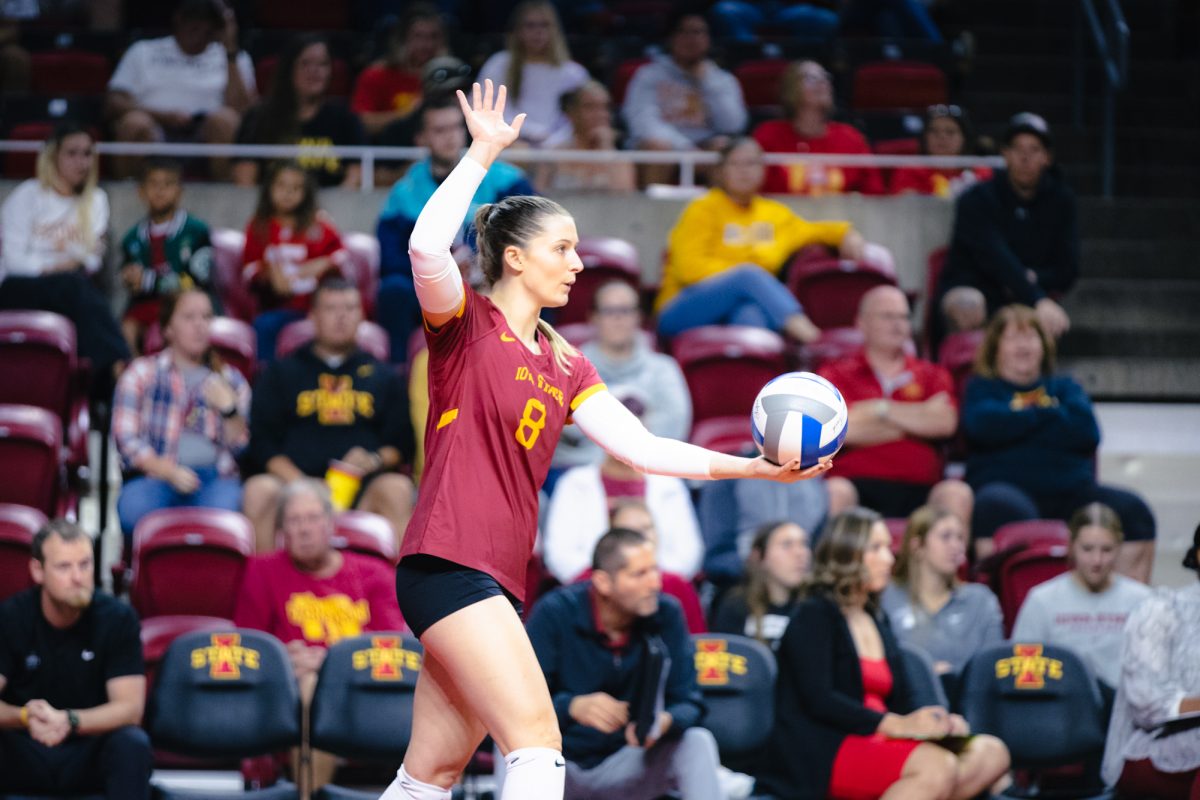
<point x="586" y="393"/>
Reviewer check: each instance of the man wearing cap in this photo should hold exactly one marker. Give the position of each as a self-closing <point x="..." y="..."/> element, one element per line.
<point x="444" y="132"/>
<point x="1016" y="237"/>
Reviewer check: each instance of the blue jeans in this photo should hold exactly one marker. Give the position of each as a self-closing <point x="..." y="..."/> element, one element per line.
<point x="267" y="326"/>
<point x="140" y="496"/>
<point x="399" y="313"/>
<point x="741" y="21"/>
<point x="745" y="295"/>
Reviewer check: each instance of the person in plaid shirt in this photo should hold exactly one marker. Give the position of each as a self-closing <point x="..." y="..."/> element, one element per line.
<point x="179" y="419"/>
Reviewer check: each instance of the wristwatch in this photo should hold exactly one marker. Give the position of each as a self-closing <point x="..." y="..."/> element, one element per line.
<point x="73" y="721"/>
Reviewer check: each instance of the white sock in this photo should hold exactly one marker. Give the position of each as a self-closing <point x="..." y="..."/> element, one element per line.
<point x="406" y="787"/>
<point x="534" y="773"/>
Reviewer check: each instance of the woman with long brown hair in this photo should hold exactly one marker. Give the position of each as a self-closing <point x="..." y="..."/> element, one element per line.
<point x="845" y="725"/>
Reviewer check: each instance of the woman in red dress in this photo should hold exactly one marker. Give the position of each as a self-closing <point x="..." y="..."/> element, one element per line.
<point x="845" y="724"/>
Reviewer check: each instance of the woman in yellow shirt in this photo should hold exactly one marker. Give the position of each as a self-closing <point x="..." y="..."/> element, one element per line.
<point x="728" y="247"/>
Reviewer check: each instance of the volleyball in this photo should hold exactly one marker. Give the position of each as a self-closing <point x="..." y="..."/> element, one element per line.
<point x="799" y="415"/>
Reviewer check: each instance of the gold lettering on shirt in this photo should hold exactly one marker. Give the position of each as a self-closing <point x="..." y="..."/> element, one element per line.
<point x="334" y="401"/>
<point x="326" y="620"/>
<point x="538" y="381"/>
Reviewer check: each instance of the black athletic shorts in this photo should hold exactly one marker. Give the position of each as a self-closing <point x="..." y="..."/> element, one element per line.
<point x="430" y="589"/>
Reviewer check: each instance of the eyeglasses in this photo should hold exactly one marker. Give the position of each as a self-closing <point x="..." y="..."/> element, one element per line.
<point x="942" y="110"/>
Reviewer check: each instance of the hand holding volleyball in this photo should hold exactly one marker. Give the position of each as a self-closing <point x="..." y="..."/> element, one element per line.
<point x="799" y="418"/>
<point x="485" y="116"/>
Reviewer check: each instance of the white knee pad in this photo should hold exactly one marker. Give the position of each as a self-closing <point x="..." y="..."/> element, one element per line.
<point x="406" y="787"/>
<point x="534" y="773"/>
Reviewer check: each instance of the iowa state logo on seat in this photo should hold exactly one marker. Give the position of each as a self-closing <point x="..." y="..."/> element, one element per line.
<point x="225" y="657"/>
<point x="1028" y="668"/>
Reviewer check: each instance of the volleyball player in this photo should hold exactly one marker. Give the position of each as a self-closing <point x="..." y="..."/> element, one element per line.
<point x="502" y="385"/>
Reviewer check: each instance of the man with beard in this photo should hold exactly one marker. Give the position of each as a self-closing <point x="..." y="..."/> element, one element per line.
<point x="595" y="642"/>
<point x="72" y="683"/>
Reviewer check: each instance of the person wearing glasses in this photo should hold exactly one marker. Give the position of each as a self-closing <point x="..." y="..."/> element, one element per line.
<point x="947" y="132"/>
<point x="807" y="128"/>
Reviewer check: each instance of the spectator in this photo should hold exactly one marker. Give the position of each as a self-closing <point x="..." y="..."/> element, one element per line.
<point x="726" y="253"/>
<point x="732" y="512"/>
<point x="760" y="607"/>
<point x="589" y="116"/>
<point x="53" y="230"/>
<point x="633" y="515"/>
<point x="297" y="111"/>
<point x="901" y="410"/>
<point x="291" y="246"/>
<point x="585" y="496"/>
<point x="330" y="401"/>
<point x="1160" y="682"/>
<point x="390" y="89"/>
<point x="624" y="360"/>
<point x="536" y="67"/>
<point x="310" y="595"/>
<point x="746" y="20"/>
<point x="844" y="723"/>
<point x="593" y="642"/>
<point x="1015" y="238"/>
<point x="947" y="132"/>
<point x="1032" y="438"/>
<point x="164" y="253"/>
<point x="683" y="100"/>
<point x="808" y="105"/>
<point x="444" y="133"/>
<point x="72" y="682"/>
<point x="180" y="420"/>
<point x="191" y="86"/>
<point x="1085" y="609"/>
<point x="928" y="606"/>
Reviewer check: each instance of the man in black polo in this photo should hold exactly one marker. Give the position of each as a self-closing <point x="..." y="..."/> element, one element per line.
<point x="72" y="682"/>
<point x="595" y="641"/>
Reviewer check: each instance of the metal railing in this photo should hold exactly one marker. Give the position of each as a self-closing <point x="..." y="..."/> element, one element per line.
<point x="1110" y="37"/>
<point x="369" y="157"/>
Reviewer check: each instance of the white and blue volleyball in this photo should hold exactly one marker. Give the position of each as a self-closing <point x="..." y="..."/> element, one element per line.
<point x="799" y="415"/>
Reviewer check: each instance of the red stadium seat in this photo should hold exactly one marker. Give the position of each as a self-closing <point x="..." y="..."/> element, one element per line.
<point x="957" y="354"/>
<point x="232" y="339"/>
<point x="190" y="561"/>
<point x="69" y="72"/>
<point x="898" y="85"/>
<point x="762" y="83"/>
<point x="370" y="336"/>
<point x="31" y="473"/>
<point x="18" y="524"/>
<point x="725" y="367"/>
<point x="363" y="267"/>
<point x="366" y="533"/>
<point x="339" y="79"/>
<point x="1030" y="532"/>
<point x="622" y="77"/>
<point x="1024" y="570"/>
<point x="725" y="434"/>
<point x="604" y="259"/>
<point x="830" y="289"/>
<point x="38" y="367"/>
<point x="236" y="299"/>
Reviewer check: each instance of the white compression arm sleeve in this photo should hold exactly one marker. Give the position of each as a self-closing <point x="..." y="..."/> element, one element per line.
<point x="607" y="422"/>
<point x="438" y="282"/>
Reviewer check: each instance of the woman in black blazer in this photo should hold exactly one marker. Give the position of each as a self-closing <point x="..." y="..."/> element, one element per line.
<point x="845" y="727"/>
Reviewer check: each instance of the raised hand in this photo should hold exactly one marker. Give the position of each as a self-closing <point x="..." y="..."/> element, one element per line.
<point x="485" y="119"/>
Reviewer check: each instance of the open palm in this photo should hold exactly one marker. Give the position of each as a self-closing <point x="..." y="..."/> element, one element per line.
<point x="485" y="116"/>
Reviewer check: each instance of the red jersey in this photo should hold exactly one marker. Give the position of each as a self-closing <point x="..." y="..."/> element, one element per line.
<point x="939" y="182"/>
<point x="290" y="604"/>
<point x="383" y="88"/>
<point x="778" y="136"/>
<point x="907" y="460"/>
<point x="292" y="248"/>
<point x="495" y="414"/>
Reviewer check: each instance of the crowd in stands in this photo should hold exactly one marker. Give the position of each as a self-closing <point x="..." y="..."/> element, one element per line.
<point x="836" y="578"/>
